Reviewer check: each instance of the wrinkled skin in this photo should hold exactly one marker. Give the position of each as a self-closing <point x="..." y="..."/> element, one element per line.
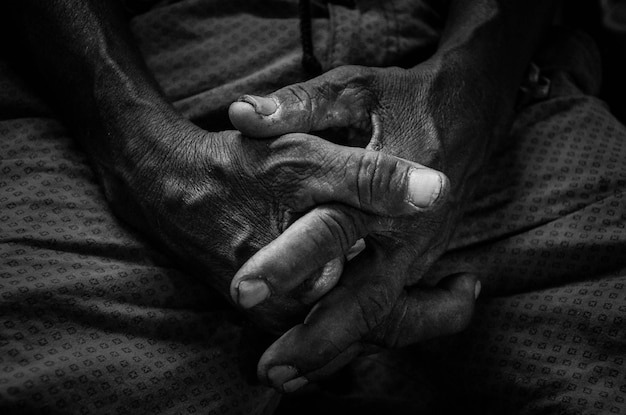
<point x="432" y="115"/>
<point x="214" y="199"/>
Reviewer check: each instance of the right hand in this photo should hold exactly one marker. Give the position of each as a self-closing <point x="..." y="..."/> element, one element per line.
<point x="215" y="199"/>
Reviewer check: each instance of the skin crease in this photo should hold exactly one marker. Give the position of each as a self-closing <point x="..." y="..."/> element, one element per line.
<point x="200" y="195"/>
<point x="210" y="199"/>
<point x="449" y="121"/>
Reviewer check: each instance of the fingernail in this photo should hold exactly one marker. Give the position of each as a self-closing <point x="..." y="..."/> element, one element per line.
<point x="263" y="106"/>
<point x="252" y="292"/>
<point x="356" y="249"/>
<point x="424" y="187"/>
<point x="295" y="384"/>
<point x="477" y="289"/>
<point x="278" y="375"/>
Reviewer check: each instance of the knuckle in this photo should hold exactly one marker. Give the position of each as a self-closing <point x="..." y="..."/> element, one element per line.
<point x="367" y="178"/>
<point x="353" y="80"/>
<point x="360" y="84"/>
<point x="376" y="178"/>
<point x="374" y="307"/>
<point x="343" y="229"/>
<point x="327" y="349"/>
<point x="288" y="171"/>
<point x="299" y="94"/>
<point x="297" y="104"/>
<point x="384" y="317"/>
<point x="367" y="314"/>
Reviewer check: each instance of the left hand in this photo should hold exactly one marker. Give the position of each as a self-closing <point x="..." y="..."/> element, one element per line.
<point x="434" y="115"/>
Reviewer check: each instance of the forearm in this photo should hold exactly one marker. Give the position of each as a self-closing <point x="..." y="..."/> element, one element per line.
<point x="498" y="37"/>
<point x="95" y="78"/>
<point x="98" y="83"/>
<point x="483" y="54"/>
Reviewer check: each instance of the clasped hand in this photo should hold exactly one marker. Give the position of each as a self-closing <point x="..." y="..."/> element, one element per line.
<point x="404" y="211"/>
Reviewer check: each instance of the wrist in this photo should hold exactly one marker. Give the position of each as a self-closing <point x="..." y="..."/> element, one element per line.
<point x="497" y="38"/>
<point x="488" y="93"/>
<point x="134" y="145"/>
<point x="492" y="86"/>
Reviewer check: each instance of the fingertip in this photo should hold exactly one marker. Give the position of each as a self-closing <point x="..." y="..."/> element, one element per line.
<point x="465" y="287"/>
<point x="244" y="118"/>
<point x="270" y="365"/>
<point x="261" y="105"/>
<point x="356" y="249"/>
<point x="426" y="187"/>
<point x="252" y="292"/>
<point x="471" y="285"/>
<point x="294" y="384"/>
<point x="234" y="286"/>
<point x="477" y="288"/>
<point x="325" y="281"/>
<point x="278" y="375"/>
<point x="248" y="289"/>
<point x="240" y="108"/>
<point x="313" y="350"/>
<point x="463" y="282"/>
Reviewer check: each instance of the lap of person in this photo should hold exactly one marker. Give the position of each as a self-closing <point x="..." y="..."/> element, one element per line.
<point x="96" y="320"/>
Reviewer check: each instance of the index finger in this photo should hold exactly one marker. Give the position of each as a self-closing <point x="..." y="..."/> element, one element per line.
<point x="325" y="233"/>
<point x="357" y="317"/>
<point x="331" y="335"/>
<point x="329" y="231"/>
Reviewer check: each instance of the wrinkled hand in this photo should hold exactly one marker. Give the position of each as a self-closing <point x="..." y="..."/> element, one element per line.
<point x="215" y="199"/>
<point x="428" y="115"/>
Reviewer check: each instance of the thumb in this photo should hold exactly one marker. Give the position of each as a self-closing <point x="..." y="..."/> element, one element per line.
<point x="333" y="100"/>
